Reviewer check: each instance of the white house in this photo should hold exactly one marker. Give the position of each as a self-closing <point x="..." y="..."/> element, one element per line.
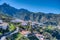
<point x="4" y="25"/>
<point x="39" y="36"/>
<point x="23" y="23"/>
<point x="16" y="20"/>
<point x="1" y="21"/>
<point x="3" y="38"/>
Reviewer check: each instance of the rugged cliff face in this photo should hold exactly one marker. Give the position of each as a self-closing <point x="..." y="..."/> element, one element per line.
<point x="50" y="18"/>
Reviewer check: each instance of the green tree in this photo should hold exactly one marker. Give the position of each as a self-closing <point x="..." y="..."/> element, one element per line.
<point x="19" y="36"/>
<point x="0" y="33"/>
<point x="12" y="27"/>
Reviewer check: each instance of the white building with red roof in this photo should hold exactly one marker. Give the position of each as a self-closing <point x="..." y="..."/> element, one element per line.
<point x="25" y="33"/>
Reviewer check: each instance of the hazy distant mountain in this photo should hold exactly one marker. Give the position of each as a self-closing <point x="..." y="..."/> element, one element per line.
<point x="24" y="14"/>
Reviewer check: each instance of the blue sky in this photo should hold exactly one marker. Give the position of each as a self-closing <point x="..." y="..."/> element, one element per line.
<point x="46" y="6"/>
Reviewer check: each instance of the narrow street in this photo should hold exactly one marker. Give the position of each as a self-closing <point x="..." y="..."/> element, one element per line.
<point x="2" y="37"/>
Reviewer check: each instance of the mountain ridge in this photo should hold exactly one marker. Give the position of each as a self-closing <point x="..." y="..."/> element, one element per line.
<point x="24" y="14"/>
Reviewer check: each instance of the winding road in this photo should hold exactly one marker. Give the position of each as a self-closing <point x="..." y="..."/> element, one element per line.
<point x="3" y="37"/>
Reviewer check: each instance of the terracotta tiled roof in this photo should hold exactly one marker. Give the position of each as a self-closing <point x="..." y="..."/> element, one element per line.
<point x="24" y="32"/>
